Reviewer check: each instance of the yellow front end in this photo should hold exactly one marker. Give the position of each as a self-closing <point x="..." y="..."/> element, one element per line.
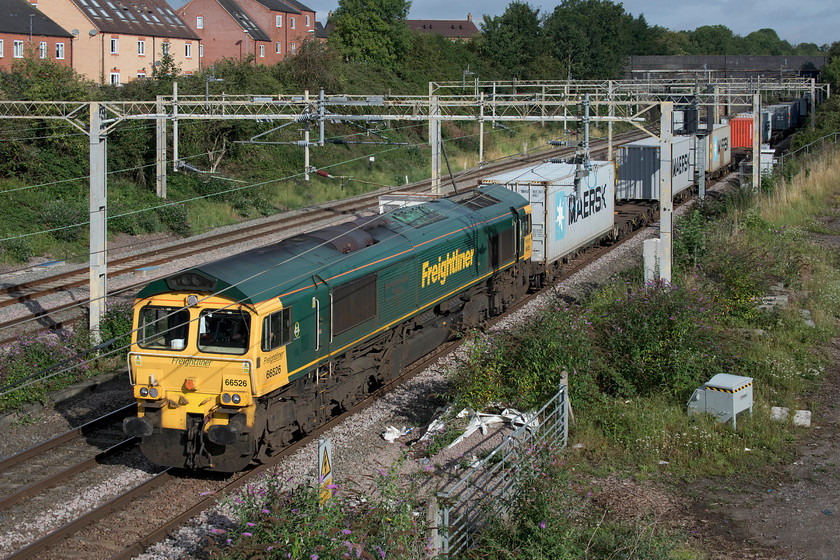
<point x="192" y="372"/>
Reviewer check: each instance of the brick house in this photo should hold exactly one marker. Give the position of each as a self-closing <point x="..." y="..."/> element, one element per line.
<point x="270" y="30"/>
<point x="26" y="32"/>
<point x="452" y="29"/>
<point x="118" y="41"/>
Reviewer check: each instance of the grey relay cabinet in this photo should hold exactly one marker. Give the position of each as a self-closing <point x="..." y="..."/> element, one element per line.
<point x="724" y="396"/>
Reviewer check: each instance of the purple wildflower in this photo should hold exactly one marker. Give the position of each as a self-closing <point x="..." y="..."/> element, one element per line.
<point x="542" y="524"/>
<point x="346" y="532"/>
<point x="247" y="534"/>
<point x="249" y="524"/>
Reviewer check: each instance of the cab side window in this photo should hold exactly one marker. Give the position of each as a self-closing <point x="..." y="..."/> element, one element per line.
<point x="277" y="330"/>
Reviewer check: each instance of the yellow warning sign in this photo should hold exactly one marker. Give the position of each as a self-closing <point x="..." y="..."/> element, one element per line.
<point x="325" y="469"/>
<point x="325" y="465"/>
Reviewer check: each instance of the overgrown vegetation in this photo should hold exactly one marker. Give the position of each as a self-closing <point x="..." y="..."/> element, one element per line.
<point x="45" y="362"/>
<point x="280" y="522"/>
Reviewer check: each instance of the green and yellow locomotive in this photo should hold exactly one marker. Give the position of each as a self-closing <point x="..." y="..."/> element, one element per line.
<point x="233" y="359"/>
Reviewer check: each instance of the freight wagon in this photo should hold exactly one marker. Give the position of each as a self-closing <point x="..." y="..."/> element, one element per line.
<point x="564" y="218"/>
<point x="638" y="168"/>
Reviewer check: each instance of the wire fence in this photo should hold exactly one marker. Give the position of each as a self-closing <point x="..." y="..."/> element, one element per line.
<point x="772" y="165"/>
<point x="463" y="507"/>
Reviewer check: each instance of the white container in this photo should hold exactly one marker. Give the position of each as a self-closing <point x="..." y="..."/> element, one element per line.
<point x="719" y="148"/>
<point x="178" y="343"/>
<point x="638" y="165"/>
<point x="562" y="223"/>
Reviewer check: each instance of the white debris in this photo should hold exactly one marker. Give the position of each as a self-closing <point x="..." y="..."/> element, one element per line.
<point x="481" y="421"/>
<point x="800" y="417"/>
<point x="391" y="434"/>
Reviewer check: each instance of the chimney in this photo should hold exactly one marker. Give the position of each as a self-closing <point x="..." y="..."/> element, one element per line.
<point x="469" y="16"/>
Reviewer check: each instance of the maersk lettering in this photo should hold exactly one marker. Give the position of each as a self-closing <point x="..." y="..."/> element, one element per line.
<point x="452" y="263"/>
<point x="593" y="201"/>
<point x="680" y="165"/>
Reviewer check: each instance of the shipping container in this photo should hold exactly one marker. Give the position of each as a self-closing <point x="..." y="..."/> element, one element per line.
<point x="719" y="148"/>
<point x="561" y="222"/>
<point x="742" y="132"/>
<point x="638" y="167"/>
<point x="781" y="118"/>
<point x="794" y="113"/>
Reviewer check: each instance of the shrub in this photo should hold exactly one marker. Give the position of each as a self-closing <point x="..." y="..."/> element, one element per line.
<point x="176" y="218"/>
<point x="66" y="217"/>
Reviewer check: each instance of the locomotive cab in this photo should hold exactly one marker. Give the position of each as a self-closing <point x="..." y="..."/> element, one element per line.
<point x="191" y="367"/>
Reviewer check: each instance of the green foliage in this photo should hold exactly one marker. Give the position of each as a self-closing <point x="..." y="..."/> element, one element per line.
<point x="372" y="32"/>
<point x="512" y="42"/>
<point x="116" y="323"/>
<point x="554" y="516"/>
<point x="659" y="339"/>
<point x="67" y="217"/>
<point x="289" y="523"/>
<point x="16" y="250"/>
<point x="45" y="355"/>
<point x="175" y="217"/>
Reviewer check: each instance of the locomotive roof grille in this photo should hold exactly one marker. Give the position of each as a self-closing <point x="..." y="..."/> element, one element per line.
<point x="475" y="200"/>
<point x="417" y="216"/>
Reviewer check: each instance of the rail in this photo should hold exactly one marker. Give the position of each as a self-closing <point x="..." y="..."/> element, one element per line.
<point x="464" y="507"/>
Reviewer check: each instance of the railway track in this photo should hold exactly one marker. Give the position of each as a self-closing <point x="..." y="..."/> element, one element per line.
<point x="113" y="530"/>
<point x="52" y="316"/>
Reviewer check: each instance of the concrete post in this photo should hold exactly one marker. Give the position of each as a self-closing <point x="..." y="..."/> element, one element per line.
<point x="610" y="123"/>
<point x="435" y="140"/>
<point x="666" y="203"/>
<point x="481" y="132"/>
<point x="756" y="146"/>
<point x="174" y="126"/>
<point x="98" y="219"/>
<point x="160" y="149"/>
<point x="306" y="138"/>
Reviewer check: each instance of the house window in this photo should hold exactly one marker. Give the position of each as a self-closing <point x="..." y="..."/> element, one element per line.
<point x="141" y="48"/>
<point x="307" y="20"/>
<point x="59" y="51"/>
<point x="115" y="78"/>
<point x="200" y="51"/>
<point x="164" y="48"/>
<point x="141" y="75"/>
<point x="188" y="50"/>
<point x="262" y="51"/>
<point x="293" y="48"/>
<point x="114" y="45"/>
<point x="42" y="49"/>
<point x="1" y="48"/>
<point x="278" y="21"/>
<point x="278" y="48"/>
<point x="292" y="23"/>
<point x="199" y="22"/>
<point x="18" y="49"/>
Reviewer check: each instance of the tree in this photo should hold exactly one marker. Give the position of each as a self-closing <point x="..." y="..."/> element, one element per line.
<point x="512" y="42"/>
<point x="713" y="40"/>
<point x="592" y="37"/>
<point x="371" y="31"/>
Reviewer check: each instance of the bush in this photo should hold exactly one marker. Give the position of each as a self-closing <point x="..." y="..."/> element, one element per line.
<point x="658" y="338"/>
<point x="16" y="250"/>
<point x="66" y="217"/>
<point x="176" y="218"/>
<point x="41" y="356"/>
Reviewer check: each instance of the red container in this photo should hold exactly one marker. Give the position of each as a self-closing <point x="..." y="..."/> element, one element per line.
<point x="742" y="132"/>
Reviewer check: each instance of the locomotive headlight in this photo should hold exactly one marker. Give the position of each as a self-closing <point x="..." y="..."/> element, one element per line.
<point x="144" y="391"/>
<point x="153" y="392"/>
<point x="236" y="399"/>
<point x="226" y="398"/>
